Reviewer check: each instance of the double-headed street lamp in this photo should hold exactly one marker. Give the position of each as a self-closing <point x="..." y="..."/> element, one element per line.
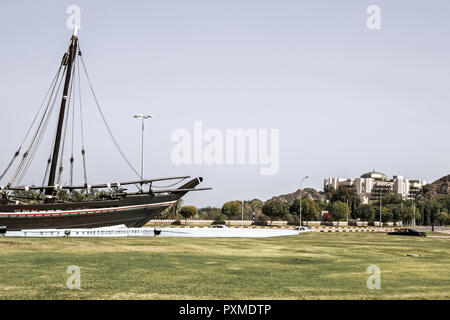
<point x="300" y="216"/>
<point x="143" y="117"/>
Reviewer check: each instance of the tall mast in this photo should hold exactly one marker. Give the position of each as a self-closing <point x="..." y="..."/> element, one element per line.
<point x="68" y="59"/>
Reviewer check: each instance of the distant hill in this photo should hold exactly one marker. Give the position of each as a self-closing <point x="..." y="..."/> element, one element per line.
<point x="437" y="189"/>
<point x="308" y="193"/>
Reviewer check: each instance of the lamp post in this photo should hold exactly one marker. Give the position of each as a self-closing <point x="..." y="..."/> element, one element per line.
<point x="381" y="195"/>
<point x="300" y="216"/>
<point x="347" y="212"/>
<point x="242" y="211"/>
<point x="143" y="117"/>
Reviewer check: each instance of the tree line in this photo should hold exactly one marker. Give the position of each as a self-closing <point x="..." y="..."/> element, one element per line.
<point x="340" y="205"/>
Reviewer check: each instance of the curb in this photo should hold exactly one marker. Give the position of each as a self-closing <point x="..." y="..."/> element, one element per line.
<point x="314" y="229"/>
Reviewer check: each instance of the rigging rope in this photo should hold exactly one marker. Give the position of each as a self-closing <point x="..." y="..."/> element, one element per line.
<point x="105" y="122"/>
<point x="49" y="162"/>
<point x="42" y="104"/>
<point x="83" y="147"/>
<point x="40" y="136"/>
<point x="46" y="111"/>
<point x="39" y="131"/>
<point x="17" y="153"/>
<point x="10" y="164"/>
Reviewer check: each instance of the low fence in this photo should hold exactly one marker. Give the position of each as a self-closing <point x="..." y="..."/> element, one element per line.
<point x="209" y="222"/>
<point x="278" y="223"/>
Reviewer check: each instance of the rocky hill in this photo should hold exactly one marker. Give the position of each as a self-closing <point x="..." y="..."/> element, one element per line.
<point x="308" y="193"/>
<point x="437" y="189"/>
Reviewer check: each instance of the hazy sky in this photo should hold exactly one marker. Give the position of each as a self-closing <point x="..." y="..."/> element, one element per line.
<point x="346" y="99"/>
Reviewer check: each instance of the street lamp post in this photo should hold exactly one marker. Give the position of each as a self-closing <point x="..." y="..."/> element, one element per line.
<point x="143" y="117"/>
<point x="300" y="216"/>
<point x="381" y="195"/>
<point x="347" y="212"/>
<point x="242" y="211"/>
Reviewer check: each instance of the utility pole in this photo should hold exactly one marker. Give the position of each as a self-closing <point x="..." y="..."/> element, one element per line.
<point x="401" y="209"/>
<point x="300" y="216"/>
<point x="347" y="212"/>
<point x="242" y="213"/>
<point x="380" y="207"/>
<point x="143" y="117"/>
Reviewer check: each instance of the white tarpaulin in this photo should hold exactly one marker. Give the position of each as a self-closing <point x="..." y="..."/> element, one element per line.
<point x="122" y="231"/>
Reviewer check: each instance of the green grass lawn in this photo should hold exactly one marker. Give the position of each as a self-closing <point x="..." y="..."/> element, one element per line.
<point x="309" y="266"/>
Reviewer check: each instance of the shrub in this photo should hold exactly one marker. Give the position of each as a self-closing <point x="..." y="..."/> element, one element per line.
<point x="442" y="218"/>
<point x="386" y="215"/>
<point x="310" y="209"/>
<point x="210" y="213"/>
<point x="292" y="219"/>
<point x="218" y="221"/>
<point x="188" y="211"/>
<point x="326" y="216"/>
<point x="365" y="212"/>
<point x="232" y="208"/>
<point x="339" y="211"/>
<point x="275" y="209"/>
<point x="261" y="219"/>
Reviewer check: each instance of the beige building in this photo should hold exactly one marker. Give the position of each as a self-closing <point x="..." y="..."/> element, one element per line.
<point x="371" y="185"/>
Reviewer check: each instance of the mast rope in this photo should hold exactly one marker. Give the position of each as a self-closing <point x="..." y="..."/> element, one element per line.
<point x="49" y="162"/>
<point x="17" y="153"/>
<point x="10" y="164"/>
<point x="42" y="104"/>
<point x="40" y="125"/>
<point x="38" y="135"/>
<point x="35" y="148"/>
<point x="104" y="120"/>
<point x="83" y="146"/>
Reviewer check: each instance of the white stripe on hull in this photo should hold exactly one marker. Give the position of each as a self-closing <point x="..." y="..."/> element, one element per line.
<point x="86" y="211"/>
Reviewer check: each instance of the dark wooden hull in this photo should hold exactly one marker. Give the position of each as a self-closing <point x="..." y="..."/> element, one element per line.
<point x="132" y="211"/>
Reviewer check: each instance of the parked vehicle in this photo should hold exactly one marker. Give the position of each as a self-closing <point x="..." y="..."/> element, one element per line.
<point x="408" y="232"/>
<point x="304" y="228"/>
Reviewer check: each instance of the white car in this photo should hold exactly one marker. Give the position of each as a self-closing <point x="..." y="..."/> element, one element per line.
<point x="304" y="228"/>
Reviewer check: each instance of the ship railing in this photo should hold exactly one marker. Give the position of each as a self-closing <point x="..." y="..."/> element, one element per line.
<point x="94" y="186"/>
